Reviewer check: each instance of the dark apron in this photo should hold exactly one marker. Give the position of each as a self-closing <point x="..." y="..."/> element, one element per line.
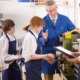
<point x="13" y="72"/>
<point x="33" y="67"/>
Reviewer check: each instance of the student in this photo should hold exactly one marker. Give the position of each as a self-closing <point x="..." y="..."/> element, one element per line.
<point x="9" y="47"/>
<point x="31" y="47"/>
<point x="74" y="60"/>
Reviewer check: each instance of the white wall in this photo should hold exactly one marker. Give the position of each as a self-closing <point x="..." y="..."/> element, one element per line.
<point x="21" y="13"/>
<point x="78" y="13"/>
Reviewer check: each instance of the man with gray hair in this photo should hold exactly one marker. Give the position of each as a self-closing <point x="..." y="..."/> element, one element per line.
<point x="56" y="25"/>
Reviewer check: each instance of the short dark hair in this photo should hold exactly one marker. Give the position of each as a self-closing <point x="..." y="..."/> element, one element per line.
<point x="7" y="25"/>
<point x="50" y="2"/>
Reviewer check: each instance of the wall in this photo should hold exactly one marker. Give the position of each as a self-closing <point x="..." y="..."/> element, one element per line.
<point x="78" y="13"/>
<point x="21" y="13"/>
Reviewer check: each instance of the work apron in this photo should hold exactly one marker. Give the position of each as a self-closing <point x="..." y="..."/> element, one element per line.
<point x="33" y="67"/>
<point x="13" y="72"/>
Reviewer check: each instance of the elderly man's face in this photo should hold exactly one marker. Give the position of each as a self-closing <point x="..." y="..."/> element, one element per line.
<point x="52" y="10"/>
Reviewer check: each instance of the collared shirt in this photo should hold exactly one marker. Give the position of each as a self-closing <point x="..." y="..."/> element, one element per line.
<point x="4" y="45"/>
<point x="29" y="45"/>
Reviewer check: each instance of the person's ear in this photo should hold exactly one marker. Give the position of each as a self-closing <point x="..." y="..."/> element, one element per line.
<point x="9" y="28"/>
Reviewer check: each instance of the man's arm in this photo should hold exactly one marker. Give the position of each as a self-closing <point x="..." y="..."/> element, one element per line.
<point x="70" y="26"/>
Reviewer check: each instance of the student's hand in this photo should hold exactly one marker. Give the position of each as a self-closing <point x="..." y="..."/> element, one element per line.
<point x="45" y="35"/>
<point x="50" y="58"/>
<point x="50" y="61"/>
<point x="1" y="68"/>
<point x="66" y="57"/>
<point x="76" y="53"/>
<point x="10" y="62"/>
<point x="18" y="54"/>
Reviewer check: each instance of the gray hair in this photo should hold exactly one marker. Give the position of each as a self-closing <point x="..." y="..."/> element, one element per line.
<point x="50" y="2"/>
